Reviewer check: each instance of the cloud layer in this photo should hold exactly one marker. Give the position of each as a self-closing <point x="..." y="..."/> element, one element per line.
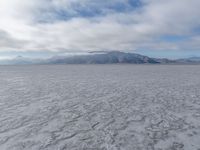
<point x="90" y="25"/>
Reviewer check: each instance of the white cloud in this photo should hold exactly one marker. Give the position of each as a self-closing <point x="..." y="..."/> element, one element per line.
<point x="34" y="26"/>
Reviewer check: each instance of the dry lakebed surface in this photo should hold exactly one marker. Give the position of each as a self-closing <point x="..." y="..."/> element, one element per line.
<point x="100" y="107"/>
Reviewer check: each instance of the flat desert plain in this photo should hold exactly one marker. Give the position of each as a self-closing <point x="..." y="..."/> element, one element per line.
<point x="100" y="107"/>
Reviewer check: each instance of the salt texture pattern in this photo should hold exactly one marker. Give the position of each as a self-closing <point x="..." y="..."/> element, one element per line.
<point x="100" y="107"/>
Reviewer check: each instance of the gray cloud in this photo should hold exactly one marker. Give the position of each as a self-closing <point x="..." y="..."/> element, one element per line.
<point x="41" y="25"/>
<point x="7" y="41"/>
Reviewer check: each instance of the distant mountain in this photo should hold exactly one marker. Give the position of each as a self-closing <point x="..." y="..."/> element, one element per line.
<point x="189" y="60"/>
<point x="100" y="57"/>
<point x="20" y="60"/>
<point x="103" y="58"/>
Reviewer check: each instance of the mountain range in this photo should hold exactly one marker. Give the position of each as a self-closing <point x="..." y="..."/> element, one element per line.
<point x="102" y="57"/>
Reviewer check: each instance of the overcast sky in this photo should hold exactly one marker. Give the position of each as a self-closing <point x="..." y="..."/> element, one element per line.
<point x="168" y="28"/>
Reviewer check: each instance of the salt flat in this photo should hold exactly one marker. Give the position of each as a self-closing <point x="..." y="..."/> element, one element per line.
<point x="100" y="107"/>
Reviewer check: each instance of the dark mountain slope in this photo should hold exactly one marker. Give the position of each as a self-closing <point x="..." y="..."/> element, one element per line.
<point x="104" y="58"/>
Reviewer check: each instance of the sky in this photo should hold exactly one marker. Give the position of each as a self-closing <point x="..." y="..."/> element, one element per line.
<point x="43" y="28"/>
